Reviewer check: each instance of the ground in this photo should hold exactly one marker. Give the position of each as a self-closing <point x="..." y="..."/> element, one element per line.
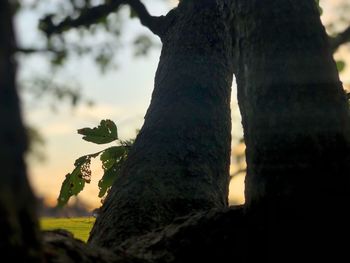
<point x="80" y="227"/>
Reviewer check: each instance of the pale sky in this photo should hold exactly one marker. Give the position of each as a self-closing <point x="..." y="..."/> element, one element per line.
<point x="122" y="96"/>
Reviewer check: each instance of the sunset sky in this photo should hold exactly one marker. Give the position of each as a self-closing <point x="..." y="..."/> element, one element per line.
<point x="122" y="96"/>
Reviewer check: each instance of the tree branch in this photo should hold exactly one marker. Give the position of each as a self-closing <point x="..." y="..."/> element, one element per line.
<point x="29" y="51"/>
<point x="86" y="18"/>
<point x="153" y="23"/>
<point x="238" y="172"/>
<point x="340" y="39"/>
<point x="93" y="14"/>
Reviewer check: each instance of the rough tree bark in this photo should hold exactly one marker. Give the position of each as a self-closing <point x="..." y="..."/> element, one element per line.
<point x="19" y="239"/>
<point x="295" y="113"/>
<point x="296" y="125"/>
<point x="179" y="163"/>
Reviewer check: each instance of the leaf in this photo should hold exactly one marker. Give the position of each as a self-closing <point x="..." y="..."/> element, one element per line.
<point x="83" y="159"/>
<point x="59" y="58"/>
<point x="108" y="179"/>
<point x="340" y="65"/>
<point x="112" y="160"/>
<point x="106" y="132"/>
<point x="133" y="14"/>
<point x="111" y="155"/>
<point x="80" y="161"/>
<point x="75" y="181"/>
<point x="142" y="44"/>
<point x="72" y="185"/>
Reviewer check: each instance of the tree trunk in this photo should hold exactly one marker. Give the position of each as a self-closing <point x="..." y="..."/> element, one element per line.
<point x="179" y="163"/>
<point x="296" y="126"/>
<point x="18" y="224"/>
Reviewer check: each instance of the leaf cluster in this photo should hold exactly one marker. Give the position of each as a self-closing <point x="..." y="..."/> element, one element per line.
<point x="111" y="158"/>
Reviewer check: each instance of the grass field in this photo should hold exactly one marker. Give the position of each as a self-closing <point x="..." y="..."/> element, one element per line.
<point x="80" y="227"/>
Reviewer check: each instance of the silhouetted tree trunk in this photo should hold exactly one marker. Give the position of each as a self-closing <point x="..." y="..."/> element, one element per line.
<point x="296" y="125"/>
<point x="19" y="240"/>
<point x="179" y="163"/>
<point x="295" y="119"/>
<point x="296" y="128"/>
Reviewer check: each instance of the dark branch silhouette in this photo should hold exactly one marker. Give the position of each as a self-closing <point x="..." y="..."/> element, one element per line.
<point x="153" y="23"/>
<point x="87" y="17"/>
<point x="92" y="15"/>
<point x="34" y="50"/>
<point x="340" y="39"/>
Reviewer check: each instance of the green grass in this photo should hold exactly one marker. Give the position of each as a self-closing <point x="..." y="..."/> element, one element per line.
<point x="80" y="227"/>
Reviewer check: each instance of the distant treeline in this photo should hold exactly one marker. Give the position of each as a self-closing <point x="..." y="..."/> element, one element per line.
<point x="76" y="209"/>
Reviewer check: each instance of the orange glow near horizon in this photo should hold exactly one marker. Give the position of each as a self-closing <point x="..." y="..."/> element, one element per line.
<point x="48" y="189"/>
